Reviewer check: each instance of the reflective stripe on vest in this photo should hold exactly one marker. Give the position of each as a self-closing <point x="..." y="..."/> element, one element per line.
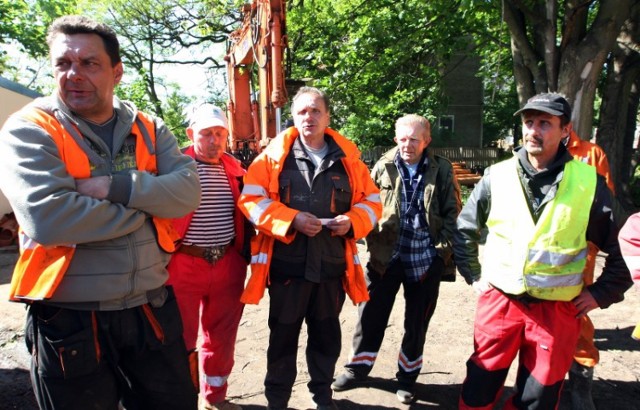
<point x="546" y="259"/>
<point x="40" y="269"/>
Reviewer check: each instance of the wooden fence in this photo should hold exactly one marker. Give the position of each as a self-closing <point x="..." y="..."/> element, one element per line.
<point x="472" y="157"/>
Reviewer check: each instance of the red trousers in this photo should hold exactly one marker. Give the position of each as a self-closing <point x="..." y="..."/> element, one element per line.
<point x="209" y="300"/>
<point x="543" y="333"/>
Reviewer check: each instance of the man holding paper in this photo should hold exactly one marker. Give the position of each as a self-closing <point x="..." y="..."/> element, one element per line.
<point x="310" y="197"/>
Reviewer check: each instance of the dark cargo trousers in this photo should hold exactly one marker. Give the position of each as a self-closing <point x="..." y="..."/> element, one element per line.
<point x="87" y="359"/>
<point x="319" y="305"/>
<point x="420" y="303"/>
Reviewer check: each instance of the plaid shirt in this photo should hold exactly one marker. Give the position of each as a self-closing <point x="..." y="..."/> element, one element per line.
<point x="415" y="247"/>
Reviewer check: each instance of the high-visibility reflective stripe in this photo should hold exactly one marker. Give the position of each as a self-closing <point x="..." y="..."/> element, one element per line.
<point x="373" y="197"/>
<point x="356" y="259"/>
<point x="216" y="381"/>
<point x="553" y="281"/>
<point x="254" y="190"/>
<point x="409" y="365"/>
<point x="260" y="258"/>
<point x="555" y="258"/>
<point x="258" y="210"/>
<point x="633" y="262"/>
<point x="372" y="215"/>
<point x="364" y="358"/>
<point x="25" y="242"/>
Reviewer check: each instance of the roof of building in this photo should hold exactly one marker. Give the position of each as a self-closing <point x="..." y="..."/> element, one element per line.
<point x="18" y="88"/>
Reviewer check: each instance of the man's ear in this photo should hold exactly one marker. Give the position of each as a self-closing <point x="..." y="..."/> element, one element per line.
<point x="566" y="130"/>
<point x="118" y="72"/>
<point x="190" y="133"/>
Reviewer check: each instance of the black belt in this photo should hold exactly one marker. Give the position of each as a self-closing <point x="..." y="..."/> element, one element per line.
<point x="211" y="254"/>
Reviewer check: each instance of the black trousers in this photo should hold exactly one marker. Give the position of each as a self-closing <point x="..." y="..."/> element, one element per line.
<point x="319" y="305"/>
<point x="83" y="359"/>
<point x="420" y="303"/>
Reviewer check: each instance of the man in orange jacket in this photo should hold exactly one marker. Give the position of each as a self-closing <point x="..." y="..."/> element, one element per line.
<point x="586" y="355"/>
<point x="310" y="197"/>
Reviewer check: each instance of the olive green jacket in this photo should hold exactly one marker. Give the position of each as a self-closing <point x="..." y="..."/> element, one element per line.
<point x="441" y="201"/>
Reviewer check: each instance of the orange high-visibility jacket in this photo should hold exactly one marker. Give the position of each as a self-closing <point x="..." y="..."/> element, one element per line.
<point x="260" y="202"/>
<point x="39" y="268"/>
<point x="592" y="154"/>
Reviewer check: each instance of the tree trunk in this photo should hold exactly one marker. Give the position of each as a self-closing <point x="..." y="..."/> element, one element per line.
<point x="573" y="67"/>
<point x="619" y="109"/>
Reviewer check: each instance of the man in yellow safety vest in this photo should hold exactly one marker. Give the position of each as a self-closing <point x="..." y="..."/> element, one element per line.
<point x="540" y="208"/>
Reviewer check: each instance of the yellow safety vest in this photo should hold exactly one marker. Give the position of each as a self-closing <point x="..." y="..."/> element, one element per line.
<point x="40" y="269"/>
<point x="545" y="259"/>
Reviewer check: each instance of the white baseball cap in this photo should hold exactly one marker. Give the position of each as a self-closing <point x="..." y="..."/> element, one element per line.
<point x="206" y="116"/>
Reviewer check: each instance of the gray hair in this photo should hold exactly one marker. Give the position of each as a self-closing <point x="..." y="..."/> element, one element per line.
<point x="415" y="119"/>
<point x="315" y="91"/>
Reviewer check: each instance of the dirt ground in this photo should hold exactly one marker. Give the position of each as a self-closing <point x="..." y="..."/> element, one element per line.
<point x="449" y="344"/>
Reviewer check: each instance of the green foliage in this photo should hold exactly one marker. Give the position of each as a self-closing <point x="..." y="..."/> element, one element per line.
<point x="173" y="105"/>
<point x="23" y="25"/>
<point x="26" y="22"/>
<point x="500" y="102"/>
<point x="465" y="192"/>
<point x="380" y="60"/>
<point x="634" y="187"/>
<point x="135" y="91"/>
<point x="492" y="43"/>
<point x="377" y="60"/>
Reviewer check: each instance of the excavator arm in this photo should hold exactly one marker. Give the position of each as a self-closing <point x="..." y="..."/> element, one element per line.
<point x="256" y="46"/>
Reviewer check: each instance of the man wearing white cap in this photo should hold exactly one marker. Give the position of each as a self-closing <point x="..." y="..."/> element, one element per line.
<point x="208" y="270"/>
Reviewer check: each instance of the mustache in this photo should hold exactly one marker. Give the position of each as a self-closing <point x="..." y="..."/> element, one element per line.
<point x="536" y="139"/>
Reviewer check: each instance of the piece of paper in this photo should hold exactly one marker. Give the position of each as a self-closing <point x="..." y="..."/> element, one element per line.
<point x="324" y="221"/>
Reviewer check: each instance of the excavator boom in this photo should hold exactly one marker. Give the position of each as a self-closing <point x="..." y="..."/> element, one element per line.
<point x="256" y="46"/>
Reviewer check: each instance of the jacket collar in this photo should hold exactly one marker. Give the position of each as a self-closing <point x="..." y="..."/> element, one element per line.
<point x="562" y="157"/>
<point x="280" y="146"/>
<point x="231" y="165"/>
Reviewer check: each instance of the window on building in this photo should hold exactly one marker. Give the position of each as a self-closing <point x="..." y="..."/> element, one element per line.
<point x="446" y="123"/>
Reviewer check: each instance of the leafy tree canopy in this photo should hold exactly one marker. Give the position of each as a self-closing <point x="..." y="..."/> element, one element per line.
<point x="378" y="60"/>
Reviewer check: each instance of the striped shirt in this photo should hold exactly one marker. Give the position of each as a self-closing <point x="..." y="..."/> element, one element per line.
<point x="212" y="222"/>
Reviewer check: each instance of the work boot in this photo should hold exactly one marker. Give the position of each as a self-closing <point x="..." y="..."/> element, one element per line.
<point x="406" y="392"/>
<point x="347" y="380"/>
<point x="581" y="381"/>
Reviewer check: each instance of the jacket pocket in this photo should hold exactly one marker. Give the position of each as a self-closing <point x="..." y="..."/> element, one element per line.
<point x="163" y="324"/>
<point x="66" y="344"/>
<point x="340" y="196"/>
<point x="285" y="191"/>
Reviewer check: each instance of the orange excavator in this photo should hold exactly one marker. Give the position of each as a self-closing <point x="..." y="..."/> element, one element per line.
<point x="257" y="46"/>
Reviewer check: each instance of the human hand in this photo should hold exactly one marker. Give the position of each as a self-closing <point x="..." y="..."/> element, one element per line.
<point x="481" y="286"/>
<point x="95" y="187"/>
<point x="307" y="223"/>
<point x="339" y="225"/>
<point x="585" y="303"/>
